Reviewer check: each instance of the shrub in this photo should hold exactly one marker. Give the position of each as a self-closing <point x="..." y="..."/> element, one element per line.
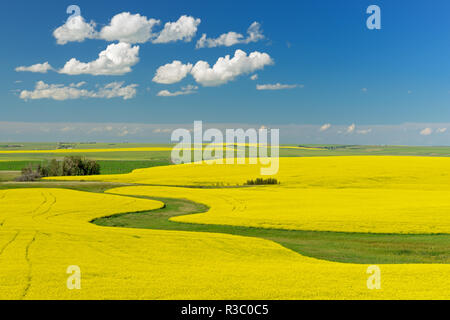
<point x="262" y="181"/>
<point x="28" y="174"/>
<point x="69" y="166"/>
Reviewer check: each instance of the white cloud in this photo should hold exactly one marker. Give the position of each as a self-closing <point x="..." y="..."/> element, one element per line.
<point x="184" y="91"/>
<point x="67" y="129"/>
<point x="351" y="128"/>
<point x="78" y="85"/>
<point x="441" y="130"/>
<point x="183" y="29"/>
<point x="364" y="131"/>
<point x="227" y="69"/>
<point x="277" y="86"/>
<point x="172" y="72"/>
<point x="123" y="132"/>
<point x="117" y="59"/>
<point x="231" y="38"/>
<point x="76" y="29"/>
<point x="129" y="28"/>
<point x="163" y="130"/>
<point x="382" y="134"/>
<point x="39" y="67"/>
<point x="426" y="132"/>
<point x="254" y="77"/>
<point x="73" y="91"/>
<point x="364" y="89"/>
<point x="116" y="89"/>
<point x="254" y="33"/>
<point x="325" y="127"/>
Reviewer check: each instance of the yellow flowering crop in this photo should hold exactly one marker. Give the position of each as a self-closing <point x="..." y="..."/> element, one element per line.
<point x="43" y="231"/>
<point x="354" y="194"/>
<point x="385" y="172"/>
<point x="346" y="210"/>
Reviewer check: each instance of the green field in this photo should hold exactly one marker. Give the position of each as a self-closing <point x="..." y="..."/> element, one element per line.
<point x="107" y="166"/>
<point x="333" y="246"/>
<point x="72" y="145"/>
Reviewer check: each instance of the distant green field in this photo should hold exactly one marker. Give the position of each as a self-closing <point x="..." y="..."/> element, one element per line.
<point x="8" y="175"/>
<point x="116" y="167"/>
<point x="326" y="150"/>
<point x="119" y="155"/>
<point x="345" y="150"/>
<point x="106" y="166"/>
<point x="73" y="145"/>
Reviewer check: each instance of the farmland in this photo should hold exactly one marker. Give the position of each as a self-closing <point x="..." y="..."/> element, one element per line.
<point x="145" y="234"/>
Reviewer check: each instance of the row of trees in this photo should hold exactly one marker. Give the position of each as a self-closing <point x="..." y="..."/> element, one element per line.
<point x="261" y="181"/>
<point x="69" y="166"/>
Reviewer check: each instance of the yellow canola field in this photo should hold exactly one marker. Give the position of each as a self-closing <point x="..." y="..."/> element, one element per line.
<point x="381" y="172"/>
<point x="343" y="210"/>
<point x="353" y="194"/>
<point x="43" y="231"/>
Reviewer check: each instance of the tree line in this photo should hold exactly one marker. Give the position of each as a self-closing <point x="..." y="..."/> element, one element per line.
<point x="69" y="166"/>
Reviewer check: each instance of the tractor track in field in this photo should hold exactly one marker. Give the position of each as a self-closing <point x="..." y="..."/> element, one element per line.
<point x="40" y="205"/>
<point x="50" y="206"/>
<point x="30" y="265"/>
<point x="8" y="243"/>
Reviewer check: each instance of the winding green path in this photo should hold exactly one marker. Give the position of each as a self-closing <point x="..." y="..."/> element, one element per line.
<point x="333" y="246"/>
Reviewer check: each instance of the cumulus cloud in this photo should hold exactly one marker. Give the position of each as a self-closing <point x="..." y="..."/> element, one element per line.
<point x="117" y="59"/>
<point x="254" y="77"/>
<point x="441" y="130"/>
<point x="254" y="34"/>
<point x="224" y="70"/>
<point x="76" y="29"/>
<point x="172" y="72"/>
<point x="351" y="128"/>
<point x="39" y="67"/>
<point x="129" y="28"/>
<point x="325" y="127"/>
<point x="61" y="92"/>
<point x="184" y="29"/>
<point x="184" y="91"/>
<point x="162" y="130"/>
<point x="426" y="132"/>
<point x="364" y="131"/>
<point x="277" y="86"/>
<point x="116" y="89"/>
<point x="227" y="69"/>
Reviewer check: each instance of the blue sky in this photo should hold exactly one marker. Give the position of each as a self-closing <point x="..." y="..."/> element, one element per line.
<point x="335" y="70"/>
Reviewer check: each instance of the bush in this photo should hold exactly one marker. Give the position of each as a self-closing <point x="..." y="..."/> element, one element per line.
<point x="70" y="166"/>
<point x="262" y="181"/>
<point x="28" y="174"/>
